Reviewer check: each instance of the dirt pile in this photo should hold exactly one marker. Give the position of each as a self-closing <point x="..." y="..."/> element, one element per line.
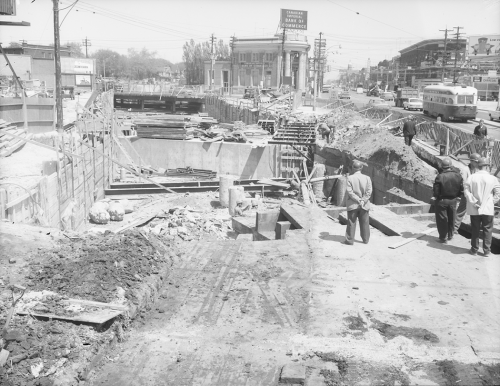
<point x="380" y="146"/>
<point x="40" y="349"/>
<point x="106" y="268"/>
<point x="93" y="267"/>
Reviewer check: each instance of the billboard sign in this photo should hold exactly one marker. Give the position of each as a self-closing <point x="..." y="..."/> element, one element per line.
<point x="483" y="45"/>
<point x="293" y="19"/>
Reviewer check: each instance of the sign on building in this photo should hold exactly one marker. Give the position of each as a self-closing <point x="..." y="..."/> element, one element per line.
<point x="483" y="45"/>
<point x="293" y="19"/>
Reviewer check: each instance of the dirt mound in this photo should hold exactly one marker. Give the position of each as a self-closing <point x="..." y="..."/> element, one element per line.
<point x="380" y="146"/>
<point x="93" y="267"/>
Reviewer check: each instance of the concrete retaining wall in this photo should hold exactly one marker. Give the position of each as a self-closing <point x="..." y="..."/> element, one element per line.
<point x="236" y="159"/>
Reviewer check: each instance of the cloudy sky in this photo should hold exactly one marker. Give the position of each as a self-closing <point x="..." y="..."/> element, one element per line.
<point x="355" y="30"/>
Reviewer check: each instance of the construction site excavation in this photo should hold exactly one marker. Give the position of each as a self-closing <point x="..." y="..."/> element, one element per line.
<point x="165" y="232"/>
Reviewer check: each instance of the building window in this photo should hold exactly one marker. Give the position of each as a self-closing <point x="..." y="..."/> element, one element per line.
<point x="269" y="57"/>
<point x="242" y="57"/>
<point x="255" y="57"/>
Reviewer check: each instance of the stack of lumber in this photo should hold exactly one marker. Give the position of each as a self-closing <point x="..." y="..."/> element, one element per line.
<point x="8" y="143"/>
<point x="165" y="127"/>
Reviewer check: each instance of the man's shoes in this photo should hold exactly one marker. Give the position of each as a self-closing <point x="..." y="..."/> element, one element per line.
<point x="444" y="241"/>
<point x="486" y="253"/>
<point x="346" y="243"/>
<point x="450" y="237"/>
<point x="472" y="252"/>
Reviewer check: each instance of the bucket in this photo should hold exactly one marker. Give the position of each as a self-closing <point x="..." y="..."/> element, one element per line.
<point x="442" y="150"/>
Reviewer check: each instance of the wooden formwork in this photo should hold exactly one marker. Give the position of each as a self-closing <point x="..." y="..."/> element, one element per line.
<point x="63" y="198"/>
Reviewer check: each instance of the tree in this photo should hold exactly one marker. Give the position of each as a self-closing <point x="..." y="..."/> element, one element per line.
<point x="194" y="57"/>
<point x="384" y="63"/>
<point x="76" y="49"/>
<point x="14" y="45"/>
<point x="111" y="60"/>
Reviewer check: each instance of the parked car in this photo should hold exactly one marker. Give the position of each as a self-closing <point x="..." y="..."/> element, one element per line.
<point x="344" y="95"/>
<point x="495" y="114"/>
<point x="378" y="104"/>
<point x="413" y="104"/>
<point x="387" y="96"/>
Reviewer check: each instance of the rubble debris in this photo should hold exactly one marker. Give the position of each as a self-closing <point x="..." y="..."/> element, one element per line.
<point x="116" y="211"/>
<point x="99" y="214"/>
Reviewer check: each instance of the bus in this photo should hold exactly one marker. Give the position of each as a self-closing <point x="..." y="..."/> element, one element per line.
<point x="359" y="89"/>
<point x="451" y="102"/>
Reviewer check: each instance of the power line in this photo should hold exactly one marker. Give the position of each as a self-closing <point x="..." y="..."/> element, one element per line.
<point x="378" y="21"/>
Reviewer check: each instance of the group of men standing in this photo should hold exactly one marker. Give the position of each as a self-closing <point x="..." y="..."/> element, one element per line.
<point x="474" y="187"/>
<point x="477" y="191"/>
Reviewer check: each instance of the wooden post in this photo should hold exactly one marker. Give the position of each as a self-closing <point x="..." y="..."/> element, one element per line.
<point x="3" y="203"/>
<point x="59" y="189"/>
<point x="447" y="140"/>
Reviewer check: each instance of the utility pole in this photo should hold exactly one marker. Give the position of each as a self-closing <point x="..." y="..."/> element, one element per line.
<point x="457" y="49"/>
<point x="283" y="56"/>
<point x="444" y="53"/>
<point x="86" y="43"/>
<point x="317" y="54"/>
<point x="57" y="60"/>
<point x="212" y="59"/>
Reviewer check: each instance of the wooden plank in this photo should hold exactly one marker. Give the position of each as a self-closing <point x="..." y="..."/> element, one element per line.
<point x="90" y="303"/>
<point x="94" y="317"/>
<point x="267" y="181"/>
<point x="4" y="355"/>
<point x="413" y="238"/>
<point x="390" y="223"/>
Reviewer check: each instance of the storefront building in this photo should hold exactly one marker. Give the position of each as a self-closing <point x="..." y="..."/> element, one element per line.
<point x="259" y="62"/>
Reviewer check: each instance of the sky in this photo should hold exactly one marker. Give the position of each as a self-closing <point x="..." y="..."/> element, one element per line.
<point x="355" y="30"/>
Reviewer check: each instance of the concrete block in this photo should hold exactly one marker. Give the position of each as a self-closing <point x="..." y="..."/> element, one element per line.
<point x="243" y="225"/>
<point x="293" y="373"/>
<point x="266" y="220"/>
<point x="281" y="228"/>
<point x="315" y="379"/>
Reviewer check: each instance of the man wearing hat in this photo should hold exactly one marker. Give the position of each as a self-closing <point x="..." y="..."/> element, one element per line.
<point x="409" y="130"/>
<point x="359" y="191"/>
<point x="482" y="191"/>
<point x="447" y="187"/>
<point x="465" y="173"/>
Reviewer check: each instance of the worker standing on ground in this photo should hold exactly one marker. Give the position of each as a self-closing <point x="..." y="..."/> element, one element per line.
<point x="465" y="173"/>
<point x="480" y="131"/>
<point x="330" y="122"/>
<point x="483" y="192"/>
<point x="324" y="130"/>
<point x="359" y="191"/>
<point x="447" y="187"/>
<point x="409" y="130"/>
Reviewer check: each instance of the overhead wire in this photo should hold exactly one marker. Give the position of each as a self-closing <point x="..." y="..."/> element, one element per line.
<point x="371" y="18"/>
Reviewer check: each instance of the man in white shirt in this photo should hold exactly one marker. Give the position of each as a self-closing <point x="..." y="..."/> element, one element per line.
<point x="482" y="191"/>
<point x="465" y="173"/>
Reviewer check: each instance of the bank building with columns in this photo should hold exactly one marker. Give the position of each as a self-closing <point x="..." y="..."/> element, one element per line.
<point x="259" y="62"/>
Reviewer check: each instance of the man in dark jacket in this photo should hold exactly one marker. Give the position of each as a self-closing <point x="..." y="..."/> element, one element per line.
<point x="447" y="187"/>
<point x="409" y="130"/>
<point x="481" y="131"/>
